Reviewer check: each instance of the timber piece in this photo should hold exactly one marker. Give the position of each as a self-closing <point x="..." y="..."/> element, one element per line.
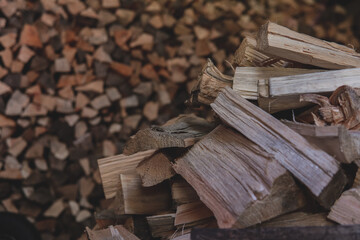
<point x="316" y="169"/>
<point x="182" y="132"/>
<point x="191" y="213"/>
<point x="182" y="192"/>
<point x="239" y="182"/>
<point x="294" y="233"/>
<point x="209" y="83"/>
<point x="155" y="169"/>
<point x="346" y="210"/>
<point x="284" y="43"/>
<point x="337" y="141"/>
<point x="112" y="232"/>
<point x="162" y="225"/>
<point x="144" y="200"/>
<point x="246" y="78"/>
<point x="111" y="167"/>
<point x="277" y="104"/>
<point x="247" y="55"/>
<point x="299" y="219"/>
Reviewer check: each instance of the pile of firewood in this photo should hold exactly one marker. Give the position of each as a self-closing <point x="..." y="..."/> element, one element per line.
<point x="247" y="167"/>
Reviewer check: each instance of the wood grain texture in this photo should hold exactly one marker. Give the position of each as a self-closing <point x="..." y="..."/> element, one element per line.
<point x="284" y="43"/>
<point x="240" y="183"/>
<point x="191" y="212"/>
<point x="313" y="167"/>
<point x="112" y="232"/>
<point x="346" y="210"/>
<point x="299" y="219"/>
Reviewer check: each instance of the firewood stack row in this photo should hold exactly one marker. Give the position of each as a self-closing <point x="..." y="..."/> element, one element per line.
<point x="281" y="149"/>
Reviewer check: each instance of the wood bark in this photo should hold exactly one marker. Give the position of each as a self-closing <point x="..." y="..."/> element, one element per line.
<point x="316" y="169"/>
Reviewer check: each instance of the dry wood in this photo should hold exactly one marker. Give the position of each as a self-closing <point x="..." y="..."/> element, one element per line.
<point x="248" y="56"/>
<point x="111" y="167"/>
<point x="112" y="232"/>
<point x="161" y="225"/>
<point x="284" y="43"/>
<point x="316" y="169"/>
<point x="246" y="78"/>
<point x="240" y="183"/>
<point x="143" y="200"/>
<point x="182" y="131"/>
<point x="338" y="142"/>
<point x="209" y="83"/>
<point x="182" y="192"/>
<point x="191" y="213"/>
<point x="299" y="219"/>
<point x="346" y="210"/>
<point x="155" y="169"/>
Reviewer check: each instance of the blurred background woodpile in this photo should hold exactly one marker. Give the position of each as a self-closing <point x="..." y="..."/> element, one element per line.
<point x="79" y="77"/>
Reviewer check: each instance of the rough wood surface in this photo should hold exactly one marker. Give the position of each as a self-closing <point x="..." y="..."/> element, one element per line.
<point x="316" y="169"/>
<point x="240" y="183"/>
<point x="299" y="219"/>
<point x="112" y="232"/>
<point x="346" y="210"/>
<point x="111" y="167"/>
<point x="162" y="225"/>
<point x="295" y="233"/>
<point x="182" y="131"/>
<point x="182" y="192"/>
<point x="191" y="212"/>
<point x="284" y="43"/>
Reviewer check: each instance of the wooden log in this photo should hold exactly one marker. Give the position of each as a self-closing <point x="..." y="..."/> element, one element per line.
<point x="209" y="83"/>
<point x="342" y="144"/>
<point x="346" y="210"/>
<point x="144" y="200"/>
<point x="162" y="225"/>
<point x="246" y="78"/>
<point x="240" y="183"/>
<point x="294" y="233"/>
<point x="316" y="169"/>
<point x="191" y="213"/>
<point x="112" y="232"/>
<point x="155" y="169"/>
<point x="111" y="167"/>
<point x="182" y="131"/>
<point x="284" y="43"/>
<point x="248" y="56"/>
<point x="182" y="192"/>
<point x="299" y="219"/>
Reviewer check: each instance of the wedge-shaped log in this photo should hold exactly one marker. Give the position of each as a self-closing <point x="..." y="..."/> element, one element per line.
<point x="346" y="209"/>
<point x="182" y="131"/>
<point x="111" y="167"/>
<point x="246" y="78"/>
<point x="281" y="42"/>
<point x="337" y="141"/>
<point x="316" y="169"/>
<point x="239" y="182"/>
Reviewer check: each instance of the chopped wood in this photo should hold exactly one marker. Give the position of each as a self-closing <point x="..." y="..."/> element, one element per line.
<point x="111" y="167"/>
<point x="155" y="169"/>
<point x="143" y="200"/>
<point x="162" y="225"/>
<point x="345" y="210"/>
<point x="95" y="86"/>
<point x="16" y="103"/>
<point x="299" y="219"/>
<point x="55" y="209"/>
<point x="316" y="169"/>
<point x="247" y="187"/>
<point x="182" y="192"/>
<point x="182" y="131"/>
<point x="30" y="36"/>
<point x="112" y="232"/>
<point x="284" y="43"/>
<point x="191" y="212"/>
<point x="25" y="54"/>
<point x="209" y="84"/>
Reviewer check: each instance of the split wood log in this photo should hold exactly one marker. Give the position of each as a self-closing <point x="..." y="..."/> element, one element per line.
<point x="284" y="43"/>
<point x="111" y="167"/>
<point x="346" y="210"/>
<point x="210" y="82"/>
<point x="182" y="132"/>
<point x="112" y="232"/>
<point x="155" y="169"/>
<point x="144" y="200"/>
<point x="191" y="213"/>
<point x="239" y="182"/>
<point x="161" y="226"/>
<point x="248" y="56"/>
<point x="337" y="141"/>
<point x="313" y="167"/>
<point x="246" y="78"/>
<point x="294" y="233"/>
<point x="299" y="219"/>
<point x="182" y="192"/>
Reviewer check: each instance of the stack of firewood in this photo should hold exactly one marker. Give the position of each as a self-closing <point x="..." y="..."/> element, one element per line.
<point x="247" y="167"/>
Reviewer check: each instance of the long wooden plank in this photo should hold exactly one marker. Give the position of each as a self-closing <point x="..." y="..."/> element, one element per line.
<point x="316" y="169"/>
<point x="351" y="232"/>
<point x="284" y="43"/>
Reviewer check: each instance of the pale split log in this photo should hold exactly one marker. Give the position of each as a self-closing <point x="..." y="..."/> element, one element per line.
<point x="316" y="169"/>
<point x="111" y="167"/>
<point x="284" y="43"/>
<point x="346" y="210"/>
<point x="112" y="232"/>
<point x="239" y="182"/>
<point x="191" y="213"/>
<point x="182" y="131"/>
